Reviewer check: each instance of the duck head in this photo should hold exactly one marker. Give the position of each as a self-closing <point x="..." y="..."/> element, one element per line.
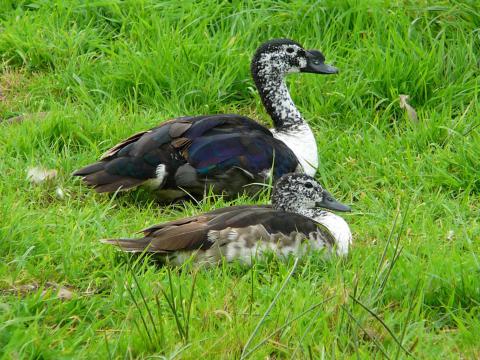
<point x="274" y="60"/>
<point x="284" y="56"/>
<point x="301" y="193"/>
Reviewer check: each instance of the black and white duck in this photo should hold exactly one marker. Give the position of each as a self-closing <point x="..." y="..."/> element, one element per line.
<point x="226" y="152"/>
<point x="294" y="224"/>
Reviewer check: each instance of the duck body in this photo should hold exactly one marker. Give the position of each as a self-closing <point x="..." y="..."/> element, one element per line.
<point x="227" y="153"/>
<point x="250" y="231"/>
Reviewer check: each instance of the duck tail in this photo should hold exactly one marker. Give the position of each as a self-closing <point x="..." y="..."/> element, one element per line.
<point x="90" y="169"/>
<point x="97" y="176"/>
<point x="130" y="245"/>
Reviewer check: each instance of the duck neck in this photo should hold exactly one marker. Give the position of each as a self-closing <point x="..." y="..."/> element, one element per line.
<point x="276" y="99"/>
<point x="338" y="227"/>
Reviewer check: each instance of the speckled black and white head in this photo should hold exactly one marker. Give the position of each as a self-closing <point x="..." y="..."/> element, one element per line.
<point x="271" y="62"/>
<point x="303" y="194"/>
<point x="284" y="56"/>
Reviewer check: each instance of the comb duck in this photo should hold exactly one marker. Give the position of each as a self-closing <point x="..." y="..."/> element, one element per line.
<point x="225" y="152"/>
<point x="293" y="224"/>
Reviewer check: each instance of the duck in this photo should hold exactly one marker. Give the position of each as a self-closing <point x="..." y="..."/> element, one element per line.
<point x="227" y="153"/>
<point x="295" y="223"/>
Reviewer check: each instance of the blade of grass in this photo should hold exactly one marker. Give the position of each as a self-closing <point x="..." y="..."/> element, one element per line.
<point x="172" y="305"/>
<point x="385" y="326"/>
<point x="189" y="309"/>
<point x="145" y="303"/>
<point x="407" y="320"/>
<point x="270" y="307"/>
<point x="379" y="347"/>
<point x="288" y="323"/>
<point x="107" y="345"/>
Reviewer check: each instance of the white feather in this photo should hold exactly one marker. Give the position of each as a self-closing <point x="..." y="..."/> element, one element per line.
<point x="157" y="182"/>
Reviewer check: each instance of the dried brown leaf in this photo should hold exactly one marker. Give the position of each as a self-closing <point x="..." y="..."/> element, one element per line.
<point x="411" y="113"/>
<point x="62" y="292"/>
<point x="21" y="118"/>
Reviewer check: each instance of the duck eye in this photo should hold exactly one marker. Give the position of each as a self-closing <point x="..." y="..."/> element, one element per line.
<point x="290" y="50"/>
<point x="308" y="185"/>
<point x="316" y="62"/>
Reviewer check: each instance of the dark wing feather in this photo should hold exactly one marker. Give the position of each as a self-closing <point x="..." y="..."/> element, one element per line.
<point x="274" y="221"/>
<point x="185" y="234"/>
<point x="123" y="144"/>
<point x="223" y="123"/>
<point x="252" y="151"/>
<point x="189" y="236"/>
<point x="205" y="217"/>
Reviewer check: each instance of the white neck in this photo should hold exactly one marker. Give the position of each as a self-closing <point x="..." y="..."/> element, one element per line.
<point x="302" y="142"/>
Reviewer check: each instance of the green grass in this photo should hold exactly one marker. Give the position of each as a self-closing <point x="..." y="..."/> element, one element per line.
<point x="83" y="75"/>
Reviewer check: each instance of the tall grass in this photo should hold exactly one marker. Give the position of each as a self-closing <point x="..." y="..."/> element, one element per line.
<point x="78" y="76"/>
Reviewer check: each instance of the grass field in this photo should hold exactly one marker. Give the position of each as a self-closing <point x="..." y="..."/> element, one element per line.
<point x="79" y="76"/>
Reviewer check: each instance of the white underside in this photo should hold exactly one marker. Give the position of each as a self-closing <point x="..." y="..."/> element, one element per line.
<point x="303" y="144"/>
<point x="239" y="250"/>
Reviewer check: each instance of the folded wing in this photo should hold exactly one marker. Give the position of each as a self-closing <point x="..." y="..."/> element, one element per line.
<point x="225" y="151"/>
